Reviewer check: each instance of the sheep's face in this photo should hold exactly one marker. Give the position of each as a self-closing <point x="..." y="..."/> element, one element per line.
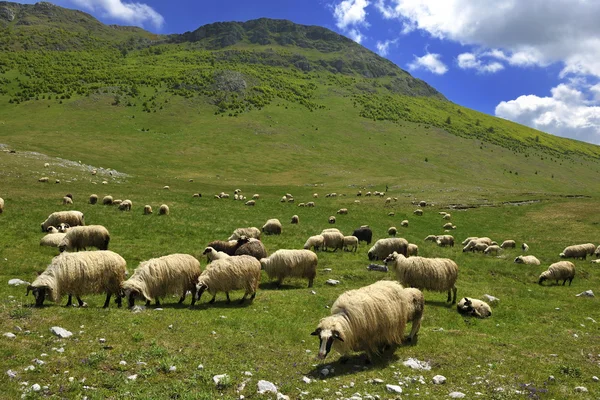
<point x="542" y="279"/>
<point x="200" y="289"/>
<point x="465" y="306"/>
<point x="52" y="229"/>
<point x="62" y="247"/>
<point x="131" y="295"/>
<point x="39" y="293"/>
<point x="63" y="227"/>
<point x="519" y="260"/>
<point x="326" y="339"/>
<point x="391" y="258"/>
<point x="43" y="229"/>
<point x="207" y="250"/>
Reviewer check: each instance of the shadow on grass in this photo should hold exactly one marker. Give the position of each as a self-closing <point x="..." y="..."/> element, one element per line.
<point x="235" y="303"/>
<point x="439" y="303"/>
<point x="273" y="286"/>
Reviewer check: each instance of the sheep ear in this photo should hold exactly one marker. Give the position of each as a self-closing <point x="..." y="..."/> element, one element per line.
<point x="317" y="332"/>
<point x="336" y="335"/>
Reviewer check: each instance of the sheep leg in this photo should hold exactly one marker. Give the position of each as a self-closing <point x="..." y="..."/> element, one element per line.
<point x="81" y="302"/>
<point x="69" y="301"/>
<point x="253" y="296"/>
<point x="107" y="302"/>
<point x="182" y="298"/>
<point x="243" y="298"/>
<point x="157" y="302"/>
<point x="570" y="280"/>
<point x="279" y="282"/>
<point x="454" y="290"/>
<point x="344" y="359"/>
<point x="310" y="282"/>
<point x="118" y="300"/>
<point x="213" y="299"/>
<point x="449" y="295"/>
<point x="147" y="303"/>
<point x="193" y="295"/>
<point x="228" y="299"/>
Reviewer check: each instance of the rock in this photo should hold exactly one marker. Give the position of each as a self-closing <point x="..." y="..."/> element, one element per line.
<point x="200" y="366"/>
<point x="17" y="282"/>
<point x="36" y="387"/>
<point x="551" y="378"/>
<point x="11" y="374"/>
<point x="595" y="378"/>
<point x="332" y="282"/>
<point x="172" y="368"/>
<point x="10" y="335"/>
<point x="587" y="293"/>
<point x="306" y="379"/>
<point x="158" y="309"/>
<point x="377" y="380"/>
<point x="313" y="292"/>
<point x="266" y="386"/>
<point x="393" y="388"/>
<point x="217" y="379"/>
<point x="281" y="396"/>
<point x="439" y="379"/>
<point x="102" y="340"/>
<point x="137" y="309"/>
<point x="29" y="368"/>
<point x="248" y="373"/>
<point x="141" y="363"/>
<point x="457" y="395"/>
<point x="490" y="299"/>
<point x="60" y="350"/>
<point x="416" y="364"/>
<point x="38" y="361"/>
<point x="132" y="377"/>
<point x="61" y="332"/>
<point x="324" y="372"/>
<point x="581" y="389"/>
<point x="377" y="267"/>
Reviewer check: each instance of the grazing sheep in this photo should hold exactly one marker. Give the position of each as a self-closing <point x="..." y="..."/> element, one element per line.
<point x="295" y="219"/>
<point x="254" y="248"/>
<point x="94" y="172"/>
<point x="412" y="250"/>
<point x="559" y="270"/>
<point x="117" y="202"/>
<point x="256" y="196"/>
<point x="449" y="225"/>
<point x="315" y="195"/>
<point x="332" y="239"/>
<point x="158" y="277"/>
<point x="370" y="319"/>
<point x="404" y="223"/>
<point x="272" y="227"/>
<point x="93" y="198"/>
<point x="227" y="274"/>
<point x="436" y="274"/>
<point x="474" y="307"/>
<point x="301" y="205"/>
<point x="197" y="195"/>
<point x="107" y="201"/>
<point x="80" y="237"/>
<point x="331" y="220"/>
<point x="384" y="247"/>
<point x="43" y="179"/>
<point x="211" y="254"/>
<point x="525" y="247"/>
<point x="342" y="211"/>
<point x="418" y="212"/>
<point x="422" y="204"/>
<point x="46" y="165"/>
<point x="316" y="242"/>
<point x="493" y="249"/>
<point x="250" y="232"/>
<point x="291" y="263"/>
<point x="166" y="188"/>
<point x="310" y="204"/>
<point x="52" y="239"/>
<point x="477" y="245"/>
<point x="446" y="216"/>
<point x="1" y="205"/>
<point x="364" y="234"/>
<point x="578" y="251"/>
<point x="596" y="253"/>
<point x="467" y="240"/>
<point x="431" y="238"/>
<point x="147" y="209"/>
<point x="508" y="244"/>
<point x="76" y="274"/>
<point x="163" y="209"/>
<point x="388" y="200"/>
<point x="67" y="200"/>
<point x="350" y="243"/>
<point x="445" y="240"/>
<point x="529" y="260"/>
<point x="250" y="203"/>
<point x="392" y="231"/>
<point x="126" y="205"/>
<point x="73" y="218"/>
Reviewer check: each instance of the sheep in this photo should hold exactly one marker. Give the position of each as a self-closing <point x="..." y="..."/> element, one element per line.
<point x="445" y="240"/>
<point x="107" y="201"/>
<point x="364" y="234"/>
<point x="342" y="211"/>
<point x="283" y="199"/>
<point x="449" y="225"/>
<point x="350" y="243"/>
<point x="356" y="201"/>
<point x="596" y="253"/>
<point x="256" y="196"/>
<point x="94" y="171"/>
<point x="254" y="248"/>
<point x="368" y="194"/>
<point x="76" y="274"/>
<point x="158" y="277"/>
<point x="559" y="270"/>
<point x="422" y="204"/>
<point x="291" y="263"/>
<point x="384" y="247"/>
<point x="163" y="209"/>
<point x="290" y="200"/>
<point x="315" y="195"/>
<point x="446" y="216"/>
<point x="436" y="274"/>
<point x="126" y="205"/>
<point x="73" y="218"/>
<point x="529" y="260"/>
<point x="147" y="209"/>
<point x="316" y="242"/>
<point x="166" y="188"/>
<point x="250" y="203"/>
<point x="52" y="239"/>
<point x="418" y="212"/>
<point x="474" y="307"/>
<point x="228" y="247"/>
<point x="392" y="231"/>
<point x="196" y="195"/>
<point x="117" y="202"/>
<point x="67" y="200"/>
<point x="332" y="239"/>
<point x="431" y="238"/>
<point x="46" y="165"/>
<point x="370" y="318"/>
<point x="331" y="220"/>
<point x="63" y="228"/>
<point x="388" y="200"/>
<point x="493" y="249"/>
<point x="272" y="227"/>
<point x="404" y="223"/>
<point x="467" y="240"/>
<point x="227" y="274"/>
<point x="93" y="198"/>
<point x="105" y="182"/>
<point x="301" y="204"/>
<point x="250" y="232"/>
<point x="310" y="204"/>
<point x="508" y="244"/>
<point x="331" y="230"/>
<point x="578" y="251"/>
<point x="524" y="247"/>
<point x="479" y="244"/>
<point x="211" y="254"/>
<point x="80" y="237"/>
<point x="412" y="250"/>
<point x="1" y="205"/>
<point x="295" y="219"/>
<point x="43" y="179"/>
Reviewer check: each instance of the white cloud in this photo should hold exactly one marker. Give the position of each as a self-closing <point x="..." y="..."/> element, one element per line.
<point x="383" y="47"/>
<point x="470" y="61"/>
<point x="350" y="12"/>
<point x="568" y="112"/>
<point x="355" y="35"/>
<point x="430" y="62"/>
<point x="131" y="13"/>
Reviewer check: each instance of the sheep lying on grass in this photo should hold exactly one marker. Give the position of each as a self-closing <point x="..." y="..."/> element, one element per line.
<point x="529" y="260"/>
<point x="578" y="251"/>
<point x="227" y="274"/>
<point x="370" y="318"/>
<point x="560" y="270"/>
<point x="76" y="274"/>
<point x="73" y="218"/>
<point x="291" y="263"/>
<point x="272" y="227"/>
<point x="52" y="239"/>
<point x="81" y="237"/>
<point x="384" y="247"/>
<point x="474" y="307"/>
<point x="250" y="232"/>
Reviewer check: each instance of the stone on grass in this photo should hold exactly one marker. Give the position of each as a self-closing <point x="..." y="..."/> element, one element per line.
<point x="416" y="364"/>
<point x="11" y="374"/>
<point x="595" y="378"/>
<point x="306" y="379"/>
<point x="36" y="387"/>
<point x="281" y="396"/>
<point x="457" y="395"/>
<point x="439" y="379"/>
<point x="132" y="377"/>
<point x="587" y="293"/>
<point x="172" y="368"/>
<point x="17" y="282"/>
<point x="490" y="299"/>
<point x="61" y="332"/>
<point x="332" y="282"/>
<point x="10" y="335"/>
<point x="217" y="379"/>
<point x="266" y="386"/>
<point x="393" y="388"/>
<point x="581" y="389"/>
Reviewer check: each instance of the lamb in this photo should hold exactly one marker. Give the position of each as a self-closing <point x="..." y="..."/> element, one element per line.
<point x="291" y="263"/>
<point x="272" y="227"/>
<point x="508" y="244"/>
<point x="418" y="212"/>
<point x="67" y="200"/>
<point x="493" y="249"/>
<point x="125" y="205"/>
<point x="331" y="219"/>
<point x="370" y="318"/>
<point x="412" y="250"/>
<point x="80" y="237"/>
<point x="250" y="232"/>
<point x="559" y="270"/>
<point x="578" y="251"/>
<point x="437" y="274"/>
<point x="93" y="198"/>
<point x="52" y="239"/>
<point x="529" y="260"/>
<point x="76" y="274"/>
<point x="163" y="209"/>
<point x="404" y="223"/>
<point x="384" y="247"/>
<point x="1" y="205"/>
<point x="332" y="239"/>
<point x="350" y="243"/>
<point x="392" y="231"/>
<point x="364" y="234"/>
<point x="147" y="209"/>
<point x="158" y="277"/>
<point x="445" y="240"/>
<point x="474" y="307"/>
<point x="227" y="274"/>
<point x="316" y="242"/>
<point x="211" y="254"/>
<point x="73" y="218"/>
<point x="295" y="219"/>
<point x="107" y="200"/>
<point x="342" y="211"/>
<point x="228" y="247"/>
<point x="254" y="248"/>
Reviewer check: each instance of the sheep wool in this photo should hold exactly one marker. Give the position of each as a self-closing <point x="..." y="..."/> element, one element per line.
<point x="342" y="211"/>
<point x="444" y="240"/>
<point x="332" y="239"/>
<point x="564" y="270"/>
<point x="93" y="198"/>
<point x="315" y="242"/>
<point x="52" y="239"/>
<point x="578" y="251"/>
<point x="250" y="232"/>
<point x="125" y="205"/>
<point x="86" y="272"/>
<point x="493" y="249"/>
<point x="291" y="263"/>
<point x="211" y="254"/>
<point x="227" y="274"/>
<point x="254" y="248"/>
<point x="163" y="209"/>
<point x="392" y="231"/>
<point x="80" y="237"/>
<point x="147" y="209"/>
<point x="370" y="317"/>
<point x="404" y="223"/>
<point x="272" y="227"/>
<point x="431" y="238"/>
<point x="350" y="243"/>
<point x="474" y="307"/>
<point x="508" y="244"/>
<point x="529" y="260"/>
<point x="436" y="274"/>
<point x="73" y="218"/>
<point x="384" y="247"/>
<point x="158" y="277"/>
<point x="1" y="205"/>
<point x="107" y="200"/>
<point x="250" y="203"/>
<point x="418" y="212"/>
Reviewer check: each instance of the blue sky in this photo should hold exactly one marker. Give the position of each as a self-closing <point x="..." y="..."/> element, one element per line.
<point x="536" y="62"/>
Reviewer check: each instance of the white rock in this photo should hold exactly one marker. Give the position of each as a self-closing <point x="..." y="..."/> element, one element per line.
<point x="587" y="293"/>
<point x="551" y="378"/>
<point x="266" y="386"/>
<point x="11" y="374"/>
<point x="36" y="387"/>
<point x="141" y="363"/>
<point x="439" y="379"/>
<point x="38" y="361"/>
<point x="332" y="282"/>
<point x="200" y="366"/>
<point x="218" y="378"/>
<point x="172" y="368"/>
<point x="132" y="377"/>
<point x="393" y="388"/>
<point x="324" y="372"/>
<point x="313" y="292"/>
<point x="17" y="282"/>
<point x="10" y="335"/>
<point x="281" y="396"/>
<point x="60" y="350"/>
<point x="29" y="368"/>
<point x="137" y="309"/>
<point x="122" y="362"/>
<point x="306" y="379"/>
<point x="377" y="380"/>
<point x="491" y="299"/>
<point x="71" y="379"/>
<point x="595" y="378"/>
<point x="61" y="332"/>
<point x="308" y="351"/>
<point x="457" y="395"/>
<point x="248" y="373"/>
<point x="581" y="389"/>
<point x="416" y="364"/>
<point x="158" y="309"/>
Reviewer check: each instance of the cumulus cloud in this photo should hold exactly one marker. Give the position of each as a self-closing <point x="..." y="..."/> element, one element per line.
<point x="470" y="61"/>
<point x="131" y="13"/>
<point x="349" y="16"/>
<point x="569" y="111"/>
<point x="430" y="62"/>
<point x="383" y="47"/>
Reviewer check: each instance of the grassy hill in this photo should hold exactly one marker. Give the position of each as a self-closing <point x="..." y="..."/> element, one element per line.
<point x="271" y="107"/>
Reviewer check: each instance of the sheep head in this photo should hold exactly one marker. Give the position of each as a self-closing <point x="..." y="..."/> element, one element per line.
<point x="207" y="250"/>
<point x="326" y="339"/>
<point x="519" y="260"/>
<point x="200" y="289"/>
<point x="392" y="258"/>
<point x="39" y="292"/>
<point x="131" y="295"/>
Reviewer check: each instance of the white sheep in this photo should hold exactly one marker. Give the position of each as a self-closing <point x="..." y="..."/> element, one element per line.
<point x="529" y="260"/>
<point x="444" y="240"/>
<point x="163" y="209"/>
<point x="447" y="216"/>
<point x="342" y="211"/>
<point x="107" y="200"/>
<point x="227" y="274"/>
<point x="331" y="219"/>
<point x="125" y="205"/>
<point x="117" y="202"/>
<point x="80" y="237"/>
<point x="229" y="246"/>
<point x="332" y="239"/>
<point x="43" y="179"/>
<point x="596" y="253"/>
<point x="525" y="247"/>
<point x="392" y="231"/>
<point x="93" y="198"/>
<point x="560" y="270"/>
<point x="477" y="245"/>
<point x="1" y="205"/>
<point x="315" y="242"/>
<point x="431" y="238"/>
<point x="449" y="225"/>
<point x="272" y="227"/>
<point x="467" y="240"/>
<point x="493" y="249"/>
<point x="158" y="277"/>
<point x="578" y="251"/>
<point x="404" y="223"/>
<point x="256" y="196"/>
<point x="370" y="318"/>
<point x="211" y="254"/>
<point x="418" y="212"/>
<point x="384" y="247"/>
<point x="250" y="232"/>
<point x="412" y="250"/>
<point x="315" y="195"/>
<point x="437" y="274"/>
<point x="147" y="209"/>
<point x="350" y="243"/>
<point x="291" y="263"/>
<point x="295" y="219"/>
<point x="508" y="244"/>
<point x="73" y="218"/>
<point x="76" y="274"/>
<point x="46" y="165"/>
<point x="474" y="307"/>
<point x="310" y="204"/>
<point x="250" y="203"/>
<point x="67" y="200"/>
<point x="52" y="239"/>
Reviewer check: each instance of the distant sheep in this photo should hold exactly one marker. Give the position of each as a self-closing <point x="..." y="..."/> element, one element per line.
<point x="250" y="232"/>
<point x="81" y="237"/>
<point x="52" y="239"/>
<point x="310" y="204"/>
<point x="166" y="188"/>
<point x="256" y="196"/>
<point x="370" y="318"/>
<point x="43" y="179"/>
<point x="315" y="242"/>
<point x="342" y="211"/>
<point x="412" y="250"/>
<point x="474" y="307"/>
<point x="159" y="277"/>
<point x="93" y="199"/>
<point x="254" y="248"/>
<point x="436" y="274"/>
<point x="295" y="219"/>
<point x="197" y="195"/>
<point x="364" y="234"/>
<point x="76" y="274"/>
<point x="107" y="200"/>
<point x="228" y="247"/>
<point x="478" y="245"/>
<point x="467" y="240"/>
<point x="67" y="200"/>
<point x="431" y="238"/>
<point x="525" y="247"/>
<point x="250" y="203"/>
<point x="272" y="227"/>
<point x="446" y="216"/>
<point x="332" y="239"/>
<point x="388" y="200"/>
<point x="331" y="220"/>
<point x="508" y="244"/>
<point x="46" y="165"/>
<point x="560" y="270"/>
<point x="529" y="260"/>
<point x="445" y="240"/>
<point x="163" y="209"/>
<point x="384" y="247"/>
<point x="418" y="212"/>
<point x="1" y="205"/>
<point x="73" y="218"/>
<point x="291" y="263"/>
<point x="392" y="231"/>
<point x="578" y="251"/>
<point x="126" y="205"/>
<point x="315" y="195"/>
<point x="404" y="223"/>
<point x="350" y="243"/>
<point x="449" y="225"/>
<point x="147" y="209"/>
<point x="422" y="204"/>
<point x="227" y="274"/>
<point x="117" y="202"/>
<point x="211" y="254"/>
<point x="493" y="249"/>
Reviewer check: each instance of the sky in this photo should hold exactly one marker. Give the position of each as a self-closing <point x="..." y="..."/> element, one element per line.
<point x="535" y="62"/>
